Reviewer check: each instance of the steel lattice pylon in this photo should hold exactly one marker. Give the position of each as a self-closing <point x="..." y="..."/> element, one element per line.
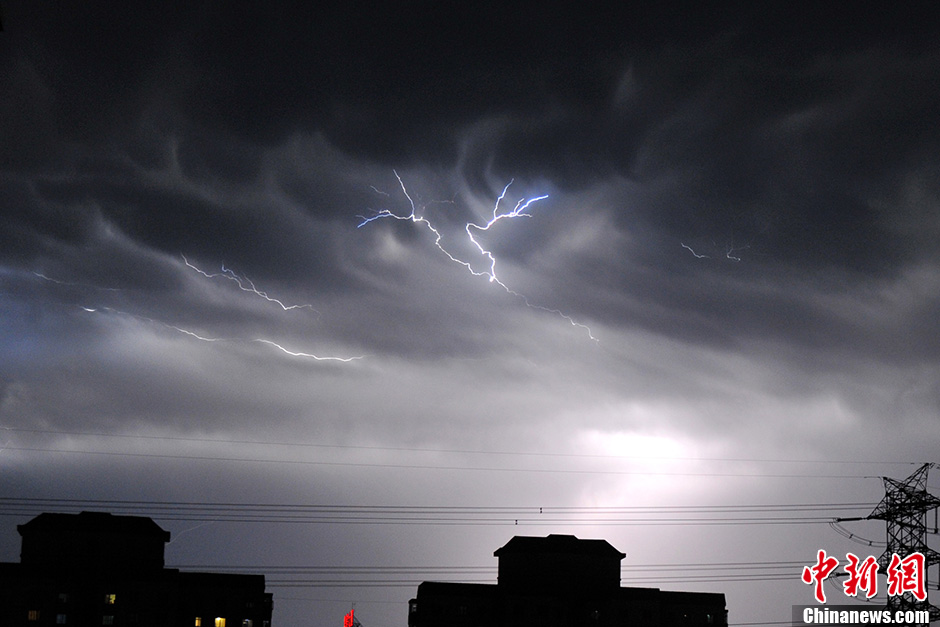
<point x="904" y="509"/>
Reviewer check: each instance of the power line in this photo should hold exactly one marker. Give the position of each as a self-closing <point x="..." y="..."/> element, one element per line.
<point x="689" y="515"/>
<point x="428" y="466"/>
<point x="411" y="576"/>
<point x="477" y="570"/>
<point x="424" y="508"/>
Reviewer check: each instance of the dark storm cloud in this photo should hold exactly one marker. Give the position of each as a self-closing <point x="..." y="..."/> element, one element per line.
<point x="750" y="138"/>
<point x="388" y="80"/>
<point x="741" y="111"/>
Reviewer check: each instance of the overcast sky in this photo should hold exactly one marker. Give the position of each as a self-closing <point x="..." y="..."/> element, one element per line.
<point x="724" y="291"/>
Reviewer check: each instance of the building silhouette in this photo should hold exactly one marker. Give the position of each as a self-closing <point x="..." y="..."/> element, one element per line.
<point x="562" y="581"/>
<point x="95" y="568"/>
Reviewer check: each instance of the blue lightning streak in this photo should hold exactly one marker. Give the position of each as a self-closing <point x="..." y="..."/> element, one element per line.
<point x="228" y="273"/>
<point x="519" y="211"/>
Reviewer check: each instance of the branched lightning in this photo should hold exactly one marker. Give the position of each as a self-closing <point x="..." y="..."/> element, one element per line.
<point x="731" y="249"/>
<point x="244" y="284"/>
<point x="518" y="211"/>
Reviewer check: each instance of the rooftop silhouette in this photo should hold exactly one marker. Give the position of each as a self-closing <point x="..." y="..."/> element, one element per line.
<point x="95" y="568"/>
<point x="560" y="580"/>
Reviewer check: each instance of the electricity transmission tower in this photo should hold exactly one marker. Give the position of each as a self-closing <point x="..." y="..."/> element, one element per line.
<point x="904" y="509"/>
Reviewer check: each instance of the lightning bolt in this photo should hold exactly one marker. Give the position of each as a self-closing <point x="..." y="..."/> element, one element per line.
<point x="204" y="338"/>
<point x="731" y="249"/>
<point x="729" y="252"/>
<point x="244" y="284"/>
<point x="73" y="284"/>
<point x="518" y="211"/>
<point x="118" y="312"/>
<point x="194" y="334"/>
<point x="308" y="355"/>
<point x="695" y="254"/>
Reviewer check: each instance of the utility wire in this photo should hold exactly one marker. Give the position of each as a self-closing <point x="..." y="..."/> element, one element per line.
<point x="691" y="515"/>
<point x="257" y="460"/>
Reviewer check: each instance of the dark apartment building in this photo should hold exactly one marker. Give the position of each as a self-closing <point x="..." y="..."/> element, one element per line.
<point x="560" y="581"/>
<point x="94" y="568"/>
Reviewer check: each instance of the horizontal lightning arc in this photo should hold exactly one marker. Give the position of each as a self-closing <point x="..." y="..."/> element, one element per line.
<point x="74" y="284"/>
<point x="109" y="310"/>
<point x="204" y="338"/>
<point x="244" y="284"/>
<point x="307" y="355"/>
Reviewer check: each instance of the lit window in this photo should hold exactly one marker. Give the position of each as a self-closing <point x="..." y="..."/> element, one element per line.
<point x="60" y="619"/>
<point x="219" y="622"/>
<point x="109" y="599"/>
<point x="198" y="622"/>
<point x="33" y="615"/>
<point x="107" y="620"/>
